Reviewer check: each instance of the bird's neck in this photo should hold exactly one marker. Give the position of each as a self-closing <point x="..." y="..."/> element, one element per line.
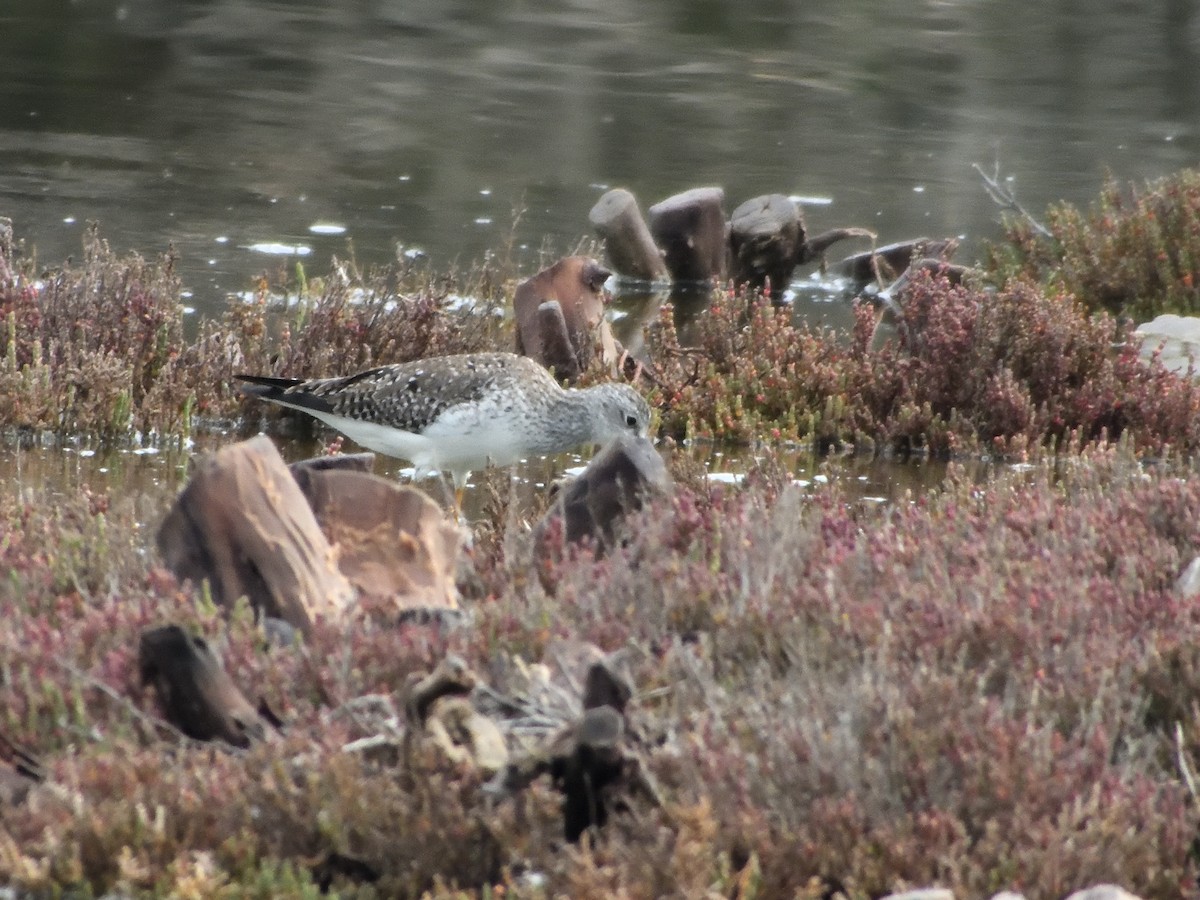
<point x="574" y="421"/>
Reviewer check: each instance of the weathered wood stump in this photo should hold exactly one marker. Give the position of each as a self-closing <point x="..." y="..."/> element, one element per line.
<point x="560" y="317"/>
<point x="197" y="695"/>
<point x="690" y="228"/>
<point x="243" y="524"/>
<point x="628" y="243"/>
<point x="766" y="239"/>
<point x="440" y="711"/>
<point x="394" y="545"/>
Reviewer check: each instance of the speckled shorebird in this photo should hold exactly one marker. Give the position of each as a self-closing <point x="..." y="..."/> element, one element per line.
<point x="459" y="413"/>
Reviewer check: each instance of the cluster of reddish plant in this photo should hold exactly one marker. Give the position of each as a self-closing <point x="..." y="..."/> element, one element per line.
<point x="980" y="690"/>
<point x="970" y="370"/>
<point x="990" y="687"/>
<point x="1135" y="251"/>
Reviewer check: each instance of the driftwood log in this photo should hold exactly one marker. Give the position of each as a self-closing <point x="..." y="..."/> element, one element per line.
<point x="628" y="243"/>
<point x="243" y="524"/>
<point x="594" y="762"/>
<point x="20" y="770"/>
<point x="690" y="229"/>
<point x="197" y="696"/>
<point x="560" y="317"/>
<point x="440" y="713"/>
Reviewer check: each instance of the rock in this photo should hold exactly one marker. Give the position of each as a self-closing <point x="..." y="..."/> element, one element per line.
<point x="1103" y="892"/>
<point x="1175" y="338"/>
<point x="627" y="240"/>
<point x="690" y="228"/>
<point x="243" y="525"/>
<point x="197" y="696"/>
<point x="560" y="317"/>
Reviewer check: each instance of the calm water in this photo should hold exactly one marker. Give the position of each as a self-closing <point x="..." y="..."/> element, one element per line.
<point x="226" y="125"/>
<point x="229" y="127"/>
<point x="154" y="476"/>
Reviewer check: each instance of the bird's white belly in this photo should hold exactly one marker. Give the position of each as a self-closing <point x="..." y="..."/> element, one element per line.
<point x="448" y="445"/>
<point x="473" y="444"/>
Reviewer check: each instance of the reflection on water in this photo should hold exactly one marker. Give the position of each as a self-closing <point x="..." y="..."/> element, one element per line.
<point x="224" y="125"/>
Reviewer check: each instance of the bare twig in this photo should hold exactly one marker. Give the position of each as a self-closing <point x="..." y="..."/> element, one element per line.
<point x="1005" y="198"/>
<point x="1185" y="769"/>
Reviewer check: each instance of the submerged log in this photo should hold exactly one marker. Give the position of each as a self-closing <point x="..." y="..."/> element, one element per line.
<point x="243" y="524"/>
<point x="890" y="319"/>
<point x="394" y="545"/>
<point x="884" y="264"/>
<point x="560" y="317"/>
<point x="690" y="227"/>
<point x="628" y="243"/>
<point x="197" y="695"/>
<point x="766" y="239"/>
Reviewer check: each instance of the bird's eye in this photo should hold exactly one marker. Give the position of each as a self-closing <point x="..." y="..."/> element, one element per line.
<point x="631" y="421"/>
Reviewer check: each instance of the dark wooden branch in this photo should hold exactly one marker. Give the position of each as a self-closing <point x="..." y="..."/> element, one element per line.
<point x="196" y="694"/>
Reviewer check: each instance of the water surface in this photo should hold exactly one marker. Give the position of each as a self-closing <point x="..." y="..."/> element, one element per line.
<point x="233" y="127"/>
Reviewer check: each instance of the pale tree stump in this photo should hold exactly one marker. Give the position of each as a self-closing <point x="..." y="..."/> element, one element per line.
<point x="560" y="317"/>
<point x="690" y="228"/>
<point x="394" y="545"/>
<point x="627" y="241"/>
<point x="243" y="524"/>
